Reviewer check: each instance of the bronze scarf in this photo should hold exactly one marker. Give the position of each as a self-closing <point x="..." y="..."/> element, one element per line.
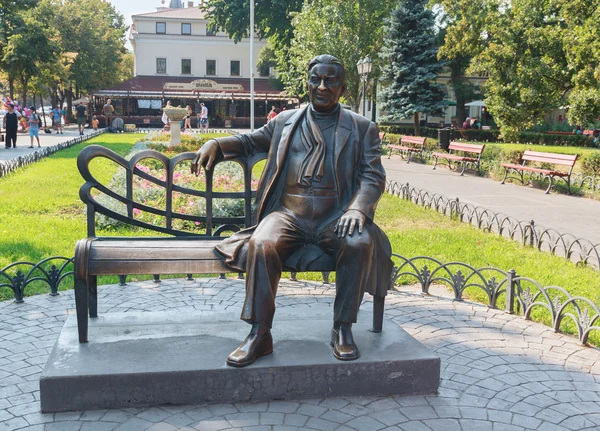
<point x="313" y="164"/>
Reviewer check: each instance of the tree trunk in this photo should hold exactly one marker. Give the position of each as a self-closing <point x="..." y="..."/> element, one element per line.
<point x="43" y="113"/>
<point x="69" y="103"/>
<point x="416" y="124"/>
<point x="11" y="87"/>
<point x="24" y="83"/>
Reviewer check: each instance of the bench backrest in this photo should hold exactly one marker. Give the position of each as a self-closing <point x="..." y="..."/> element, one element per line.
<point x="172" y="190"/>
<point x="466" y="148"/>
<point x="412" y="141"/>
<point x="552" y="158"/>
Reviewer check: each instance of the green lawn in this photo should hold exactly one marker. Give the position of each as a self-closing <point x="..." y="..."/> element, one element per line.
<point x="41" y="216"/>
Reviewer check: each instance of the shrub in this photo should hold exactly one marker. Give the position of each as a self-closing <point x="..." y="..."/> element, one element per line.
<point x="590" y="164"/>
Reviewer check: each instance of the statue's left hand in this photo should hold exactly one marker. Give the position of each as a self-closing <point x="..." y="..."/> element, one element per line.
<point x="351" y="220"/>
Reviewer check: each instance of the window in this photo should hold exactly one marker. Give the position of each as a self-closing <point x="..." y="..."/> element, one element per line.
<point x="211" y="67"/>
<point x="161" y="65"/>
<point x="161" y="27"/>
<point x="186" y="28"/>
<point x="211" y="30"/>
<point x="186" y="66"/>
<point x="235" y="68"/>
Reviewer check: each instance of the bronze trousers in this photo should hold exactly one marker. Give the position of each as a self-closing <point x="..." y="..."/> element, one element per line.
<point x="282" y="233"/>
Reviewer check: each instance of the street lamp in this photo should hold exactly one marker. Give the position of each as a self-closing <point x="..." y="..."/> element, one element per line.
<point x="364" y="67"/>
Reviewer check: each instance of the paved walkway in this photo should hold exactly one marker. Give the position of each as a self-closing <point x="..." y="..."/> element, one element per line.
<point x="46" y="140"/>
<point x="499" y="372"/>
<point x="567" y="214"/>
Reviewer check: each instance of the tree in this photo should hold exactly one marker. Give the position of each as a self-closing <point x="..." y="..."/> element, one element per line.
<point x="349" y="30"/>
<point x="409" y="56"/>
<point x="539" y="56"/>
<point x="28" y="49"/>
<point x="273" y="18"/>
<point x="95" y="31"/>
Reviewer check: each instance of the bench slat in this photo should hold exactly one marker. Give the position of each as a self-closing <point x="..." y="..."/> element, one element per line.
<point x="130" y="267"/>
<point x="469" y="148"/>
<point x="553" y="155"/>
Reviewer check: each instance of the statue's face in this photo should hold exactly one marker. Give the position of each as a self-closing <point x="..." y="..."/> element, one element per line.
<point x="325" y="86"/>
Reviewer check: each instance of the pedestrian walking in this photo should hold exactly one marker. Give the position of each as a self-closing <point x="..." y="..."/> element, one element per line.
<point x="81" y="117"/>
<point x="203" y="117"/>
<point x="108" y="110"/>
<point x="56" y="120"/>
<point x="34" y="126"/>
<point x="95" y="123"/>
<point x="188" y="118"/>
<point x="11" y="124"/>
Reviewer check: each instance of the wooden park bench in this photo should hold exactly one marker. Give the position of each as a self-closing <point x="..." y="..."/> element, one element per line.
<point x="184" y="251"/>
<point x="467" y="155"/>
<point x="408" y="146"/>
<point x="541" y="172"/>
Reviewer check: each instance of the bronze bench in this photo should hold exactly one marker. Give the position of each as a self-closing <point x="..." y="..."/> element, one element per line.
<point x="183" y="252"/>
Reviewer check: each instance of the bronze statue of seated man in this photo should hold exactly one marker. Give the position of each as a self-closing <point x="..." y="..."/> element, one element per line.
<point x="320" y="187"/>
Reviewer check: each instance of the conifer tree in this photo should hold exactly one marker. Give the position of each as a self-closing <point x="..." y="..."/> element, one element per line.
<point x="410" y="64"/>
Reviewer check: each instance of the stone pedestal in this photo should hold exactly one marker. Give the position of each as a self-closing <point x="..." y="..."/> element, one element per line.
<point x="139" y="359"/>
<point x="175" y="115"/>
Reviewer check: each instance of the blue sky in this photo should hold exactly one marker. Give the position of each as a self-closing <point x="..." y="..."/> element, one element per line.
<point x="133" y="7"/>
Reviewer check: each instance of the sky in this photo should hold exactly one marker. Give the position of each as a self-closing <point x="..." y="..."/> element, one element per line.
<point x="133" y="7"/>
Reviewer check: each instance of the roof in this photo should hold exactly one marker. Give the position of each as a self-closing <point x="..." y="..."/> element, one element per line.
<point x="185" y="13"/>
<point x="156" y="83"/>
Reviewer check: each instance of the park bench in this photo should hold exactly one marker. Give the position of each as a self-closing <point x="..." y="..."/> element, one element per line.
<point x="183" y="252"/>
<point x="408" y="146"/>
<point x="542" y="172"/>
<point x="467" y="155"/>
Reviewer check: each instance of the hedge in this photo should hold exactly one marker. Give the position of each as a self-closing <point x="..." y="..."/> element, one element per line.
<point x="493" y="136"/>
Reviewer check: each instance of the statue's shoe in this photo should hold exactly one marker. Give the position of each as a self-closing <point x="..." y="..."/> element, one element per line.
<point x="252" y="348"/>
<point x="343" y="344"/>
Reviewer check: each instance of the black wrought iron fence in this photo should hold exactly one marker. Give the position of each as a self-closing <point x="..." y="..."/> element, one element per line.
<point x="514" y="293"/>
<point x="578" y="250"/>
<point x="521" y="295"/>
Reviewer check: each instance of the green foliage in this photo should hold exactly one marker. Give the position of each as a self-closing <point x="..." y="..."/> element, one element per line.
<point x="590" y="163"/>
<point x="272" y="17"/>
<point x="539" y="55"/>
<point x="409" y="56"/>
<point x="349" y="30"/>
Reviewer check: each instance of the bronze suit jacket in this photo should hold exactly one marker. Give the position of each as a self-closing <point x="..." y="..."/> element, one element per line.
<point x="359" y="175"/>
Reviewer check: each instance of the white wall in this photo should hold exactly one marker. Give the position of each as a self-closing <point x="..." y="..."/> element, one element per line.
<point x="198" y="47"/>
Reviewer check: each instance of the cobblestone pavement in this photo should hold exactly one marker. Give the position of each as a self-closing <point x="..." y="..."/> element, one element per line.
<point x="499" y="372"/>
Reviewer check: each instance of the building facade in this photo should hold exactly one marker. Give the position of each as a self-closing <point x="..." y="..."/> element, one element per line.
<point x="179" y="57"/>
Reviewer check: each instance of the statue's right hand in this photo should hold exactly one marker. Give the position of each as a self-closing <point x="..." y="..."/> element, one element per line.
<point x="205" y="156"/>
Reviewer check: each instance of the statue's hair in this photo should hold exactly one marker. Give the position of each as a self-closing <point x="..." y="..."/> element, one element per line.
<point x="326" y="59"/>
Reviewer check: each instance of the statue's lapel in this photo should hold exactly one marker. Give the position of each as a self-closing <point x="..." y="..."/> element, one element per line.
<point x="286" y="134"/>
<point x="344" y="129"/>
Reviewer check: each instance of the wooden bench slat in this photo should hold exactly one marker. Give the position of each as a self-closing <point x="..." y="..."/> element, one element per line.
<point x="570" y="157"/>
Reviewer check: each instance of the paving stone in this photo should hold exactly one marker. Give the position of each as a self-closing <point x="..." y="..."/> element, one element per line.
<point x="243" y="419"/>
<point x="293" y="419"/>
<point x="135" y="424"/>
<point x="98" y="426"/>
<point x="321" y="424"/>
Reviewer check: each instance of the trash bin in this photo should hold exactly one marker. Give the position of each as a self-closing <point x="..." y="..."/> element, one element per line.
<point x="444" y="138"/>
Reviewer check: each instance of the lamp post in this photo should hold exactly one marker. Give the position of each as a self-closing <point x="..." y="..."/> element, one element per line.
<point x="364" y="67"/>
<point x="252" y="65"/>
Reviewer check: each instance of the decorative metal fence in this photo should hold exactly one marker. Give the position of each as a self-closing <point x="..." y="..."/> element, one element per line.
<point x="51" y="271"/>
<point x="8" y="166"/>
<point x="553" y="305"/>
<point x="578" y="250"/>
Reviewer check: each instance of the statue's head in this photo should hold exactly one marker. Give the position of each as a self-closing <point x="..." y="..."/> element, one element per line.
<point x="326" y="82"/>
